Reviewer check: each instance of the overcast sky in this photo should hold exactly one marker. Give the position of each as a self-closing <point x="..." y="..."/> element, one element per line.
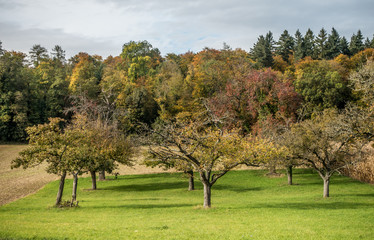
<point x="102" y="27"/>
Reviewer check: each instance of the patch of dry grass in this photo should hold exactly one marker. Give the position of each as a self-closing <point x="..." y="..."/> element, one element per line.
<point x="18" y="183"/>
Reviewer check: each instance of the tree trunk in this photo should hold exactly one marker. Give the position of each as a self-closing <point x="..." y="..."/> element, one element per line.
<point x="93" y="177"/>
<point x="75" y="186"/>
<point x="326" y="187"/>
<point x="101" y="175"/>
<point x="60" y="188"/>
<point x="191" y="183"/>
<point x="207" y="195"/>
<point x="289" y="174"/>
<point x="272" y="169"/>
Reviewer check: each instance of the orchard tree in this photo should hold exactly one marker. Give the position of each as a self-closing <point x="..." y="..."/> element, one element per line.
<point x="331" y="141"/>
<point x="47" y="143"/>
<point x="211" y="150"/>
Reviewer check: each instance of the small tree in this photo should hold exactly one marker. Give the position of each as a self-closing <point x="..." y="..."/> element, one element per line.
<point x="47" y="144"/>
<point x="202" y="143"/>
<point x="330" y="142"/>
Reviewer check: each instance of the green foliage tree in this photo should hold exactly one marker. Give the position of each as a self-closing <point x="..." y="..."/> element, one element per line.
<point x="38" y="54"/>
<point x="320" y="50"/>
<point x="285" y="45"/>
<point x="332" y="45"/>
<point x="262" y="51"/>
<point x="344" y="46"/>
<point x="299" y="51"/>
<point x="309" y="43"/>
<point x="322" y="84"/>
<point x="356" y="45"/>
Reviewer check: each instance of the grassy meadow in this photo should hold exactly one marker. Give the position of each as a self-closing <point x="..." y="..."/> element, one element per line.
<point x="246" y="205"/>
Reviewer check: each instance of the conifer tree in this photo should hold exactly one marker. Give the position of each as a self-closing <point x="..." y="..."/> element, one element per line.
<point x="333" y="41"/>
<point x="344" y="46"/>
<point x="299" y="51"/>
<point x="356" y="45"/>
<point x="285" y="45"/>
<point x="321" y="41"/>
<point x="309" y="43"/>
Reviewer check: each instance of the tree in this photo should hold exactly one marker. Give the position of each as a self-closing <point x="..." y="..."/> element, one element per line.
<point x="322" y="84"/>
<point x="344" y="47"/>
<point x="321" y="45"/>
<point x="86" y="76"/>
<point x="252" y="97"/>
<point x="299" y="51"/>
<point x="58" y="54"/>
<point x="1" y="49"/>
<point x="262" y="51"/>
<point x="285" y="46"/>
<point x="332" y="45"/>
<point x="309" y="45"/>
<point x="47" y="143"/>
<point x="38" y="54"/>
<point x="330" y="142"/>
<point x="356" y="45"/>
<point x="210" y="150"/>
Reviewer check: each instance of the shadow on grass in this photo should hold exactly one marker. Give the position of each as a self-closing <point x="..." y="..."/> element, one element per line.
<point x="313" y="206"/>
<point x="235" y="188"/>
<point x="148" y="186"/>
<point x="144" y="206"/>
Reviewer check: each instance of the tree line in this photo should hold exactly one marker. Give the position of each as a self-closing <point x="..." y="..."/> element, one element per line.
<point x="293" y="102"/>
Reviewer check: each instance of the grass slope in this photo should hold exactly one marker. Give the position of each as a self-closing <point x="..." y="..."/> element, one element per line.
<point x="246" y="205"/>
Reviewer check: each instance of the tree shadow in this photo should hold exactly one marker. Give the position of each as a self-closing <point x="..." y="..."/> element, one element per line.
<point x="236" y="189"/>
<point x="313" y="206"/>
<point x="144" y="206"/>
<point x="148" y="187"/>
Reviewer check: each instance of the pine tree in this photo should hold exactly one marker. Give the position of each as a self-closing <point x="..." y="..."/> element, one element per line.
<point x="299" y="52"/>
<point x="356" y="45"/>
<point x="262" y="50"/>
<point x="285" y="45"/>
<point x="1" y="49"/>
<point x="332" y="45"/>
<point x="309" y="43"/>
<point x="320" y="49"/>
<point x="344" y="46"/>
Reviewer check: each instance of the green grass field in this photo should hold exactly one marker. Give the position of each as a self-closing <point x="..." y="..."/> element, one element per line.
<point x="246" y="205"/>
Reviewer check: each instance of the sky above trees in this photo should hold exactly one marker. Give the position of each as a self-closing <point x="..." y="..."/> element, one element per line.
<point x="102" y="27"/>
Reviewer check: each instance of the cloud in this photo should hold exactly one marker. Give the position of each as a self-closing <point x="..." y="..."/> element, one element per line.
<point x="174" y="25"/>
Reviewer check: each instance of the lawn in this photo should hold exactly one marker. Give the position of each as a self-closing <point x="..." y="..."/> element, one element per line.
<point x="246" y="205"/>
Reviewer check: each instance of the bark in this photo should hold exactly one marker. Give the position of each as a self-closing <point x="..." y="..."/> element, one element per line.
<point x="93" y="177"/>
<point x="75" y="186"/>
<point x="289" y="174"/>
<point x="191" y="183"/>
<point x="207" y="195"/>
<point x="61" y="188"/>
<point x="326" y="187"/>
<point x="102" y="175"/>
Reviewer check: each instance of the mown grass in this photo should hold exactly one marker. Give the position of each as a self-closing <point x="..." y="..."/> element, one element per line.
<point x="246" y="205"/>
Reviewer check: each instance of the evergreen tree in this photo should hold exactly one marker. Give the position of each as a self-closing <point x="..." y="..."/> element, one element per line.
<point x="344" y="46"/>
<point x="262" y="50"/>
<point x="38" y="54"/>
<point x="321" y="41"/>
<point x="1" y="49"/>
<point x="285" y="45"/>
<point x="299" y="52"/>
<point x="309" y="43"/>
<point x="356" y="45"/>
<point x="58" y="54"/>
<point x="333" y="48"/>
